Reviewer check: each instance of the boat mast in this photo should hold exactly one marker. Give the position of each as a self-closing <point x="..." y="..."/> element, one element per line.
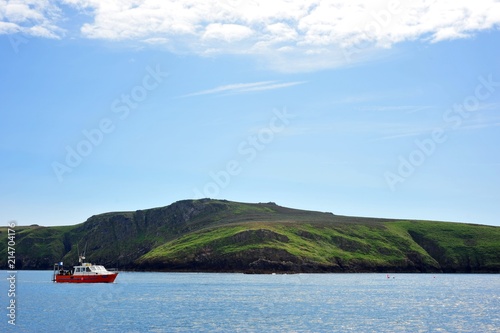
<point x="81" y="257"/>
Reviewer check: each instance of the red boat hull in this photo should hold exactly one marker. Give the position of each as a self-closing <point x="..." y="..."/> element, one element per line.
<point x="97" y="278"/>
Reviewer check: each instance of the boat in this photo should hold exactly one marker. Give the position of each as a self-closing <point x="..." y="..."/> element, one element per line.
<point x="83" y="273"/>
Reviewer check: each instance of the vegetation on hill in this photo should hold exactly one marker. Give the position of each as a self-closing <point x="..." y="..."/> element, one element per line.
<point x="223" y="236"/>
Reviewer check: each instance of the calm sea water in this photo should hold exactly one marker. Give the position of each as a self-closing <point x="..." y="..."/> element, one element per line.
<point x="178" y="302"/>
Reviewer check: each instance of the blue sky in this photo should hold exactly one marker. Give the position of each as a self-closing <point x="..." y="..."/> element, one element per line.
<point x="380" y="110"/>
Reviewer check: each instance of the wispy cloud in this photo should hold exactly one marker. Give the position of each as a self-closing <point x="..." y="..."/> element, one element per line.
<point x="402" y="133"/>
<point x="401" y="108"/>
<point x="239" y="88"/>
<point x="483" y="120"/>
<point x="480" y="125"/>
<point x="405" y="131"/>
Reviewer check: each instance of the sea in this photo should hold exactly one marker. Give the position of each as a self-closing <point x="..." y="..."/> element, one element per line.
<point x="222" y="302"/>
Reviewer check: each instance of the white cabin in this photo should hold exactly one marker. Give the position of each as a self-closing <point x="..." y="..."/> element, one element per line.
<point x="89" y="269"/>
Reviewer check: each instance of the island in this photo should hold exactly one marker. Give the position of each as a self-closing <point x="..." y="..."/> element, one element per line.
<point x="210" y="235"/>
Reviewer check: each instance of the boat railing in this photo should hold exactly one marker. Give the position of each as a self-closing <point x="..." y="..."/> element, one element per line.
<point x="58" y="267"/>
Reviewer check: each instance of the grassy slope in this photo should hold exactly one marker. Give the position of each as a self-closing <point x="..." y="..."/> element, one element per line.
<point x="353" y="247"/>
<point x="457" y="245"/>
<point x="219" y="235"/>
<point x="43" y="242"/>
<point x="329" y="242"/>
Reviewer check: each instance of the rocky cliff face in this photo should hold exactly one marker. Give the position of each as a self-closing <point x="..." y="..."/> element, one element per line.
<point x="120" y="238"/>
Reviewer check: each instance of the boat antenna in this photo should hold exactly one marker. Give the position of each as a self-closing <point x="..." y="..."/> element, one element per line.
<point x="81" y="257"/>
<point x="85" y="250"/>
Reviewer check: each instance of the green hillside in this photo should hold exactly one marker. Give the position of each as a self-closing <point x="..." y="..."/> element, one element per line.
<point x="224" y="236"/>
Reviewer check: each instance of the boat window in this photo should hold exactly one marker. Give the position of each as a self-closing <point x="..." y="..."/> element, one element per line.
<point x="88" y="269"/>
<point x="77" y="270"/>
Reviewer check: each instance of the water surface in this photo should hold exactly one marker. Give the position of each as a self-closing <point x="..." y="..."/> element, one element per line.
<point x="199" y="302"/>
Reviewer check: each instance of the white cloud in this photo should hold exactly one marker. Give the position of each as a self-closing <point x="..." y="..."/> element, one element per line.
<point x="289" y="35"/>
<point x="156" y="40"/>
<point x="8" y="28"/>
<point x="226" y="32"/>
<point x="31" y="17"/>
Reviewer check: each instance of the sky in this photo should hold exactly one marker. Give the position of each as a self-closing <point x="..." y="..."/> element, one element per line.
<point x="364" y="108"/>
